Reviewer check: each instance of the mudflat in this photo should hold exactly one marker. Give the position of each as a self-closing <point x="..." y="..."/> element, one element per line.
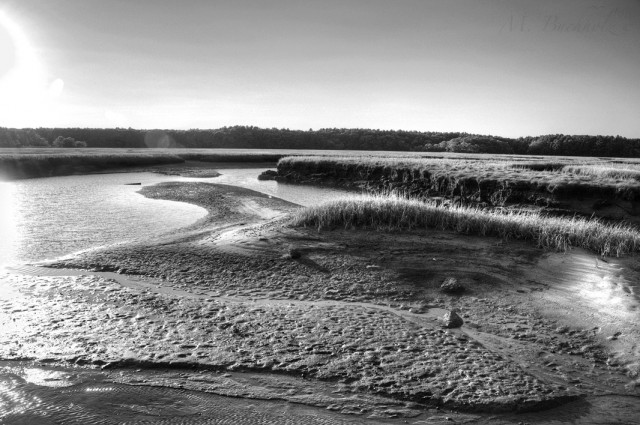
<point x="350" y="320"/>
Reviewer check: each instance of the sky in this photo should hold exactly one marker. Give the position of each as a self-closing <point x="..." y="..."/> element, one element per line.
<point x="507" y="68"/>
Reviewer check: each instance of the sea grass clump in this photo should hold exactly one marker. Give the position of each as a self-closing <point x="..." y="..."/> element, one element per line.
<point x="392" y="213"/>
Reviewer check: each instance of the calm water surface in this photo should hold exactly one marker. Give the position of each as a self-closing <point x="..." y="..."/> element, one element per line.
<point x="298" y="194"/>
<point x="48" y="218"/>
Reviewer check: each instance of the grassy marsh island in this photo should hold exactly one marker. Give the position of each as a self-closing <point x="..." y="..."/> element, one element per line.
<point x="606" y="188"/>
<point x="477" y="179"/>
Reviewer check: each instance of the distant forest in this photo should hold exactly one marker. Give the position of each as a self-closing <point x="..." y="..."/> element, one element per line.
<point x="242" y="137"/>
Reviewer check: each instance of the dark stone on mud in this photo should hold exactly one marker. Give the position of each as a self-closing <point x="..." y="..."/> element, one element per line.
<point x="452" y="286"/>
<point x="293" y="253"/>
<point x="452" y="320"/>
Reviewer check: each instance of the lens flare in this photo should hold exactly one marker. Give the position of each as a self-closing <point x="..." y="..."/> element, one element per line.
<point x="55" y="88"/>
<point x="25" y="92"/>
<point x="8" y="211"/>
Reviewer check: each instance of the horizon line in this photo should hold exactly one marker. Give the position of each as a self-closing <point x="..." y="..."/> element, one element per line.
<point x="316" y="130"/>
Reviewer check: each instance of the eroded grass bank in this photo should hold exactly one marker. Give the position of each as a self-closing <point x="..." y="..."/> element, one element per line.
<point x="397" y="213"/>
<point x="491" y="181"/>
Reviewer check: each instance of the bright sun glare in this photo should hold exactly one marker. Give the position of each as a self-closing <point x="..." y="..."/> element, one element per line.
<point x="25" y="94"/>
<point x="8" y="211"/>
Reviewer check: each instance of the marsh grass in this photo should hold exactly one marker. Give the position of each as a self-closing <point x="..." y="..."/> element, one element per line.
<point x="231" y="156"/>
<point x="45" y="165"/>
<point x="499" y="169"/>
<point x="616" y="171"/>
<point x="566" y="177"/>
<point x="45" y="162"/>
<point x="428" y="167"/>
<point x="392" y="213"/>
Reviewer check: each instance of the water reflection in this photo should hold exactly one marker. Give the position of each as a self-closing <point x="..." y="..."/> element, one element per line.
<point x="13" y="402"/>
<point x="298" y="194"/>
<point x="8" y="215"/>
<point x="603" y="287"/>
<point x="606" y="286"/>
<point x="51" y="217"/>
<point x="47" y="378"/>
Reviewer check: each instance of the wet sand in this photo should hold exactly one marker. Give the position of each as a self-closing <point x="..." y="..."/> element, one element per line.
<point x="353" y="325"/>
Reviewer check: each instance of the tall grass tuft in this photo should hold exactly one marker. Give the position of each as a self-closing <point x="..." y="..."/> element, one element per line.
<point x="398" y="213"/>
<point x="605" y="170"/>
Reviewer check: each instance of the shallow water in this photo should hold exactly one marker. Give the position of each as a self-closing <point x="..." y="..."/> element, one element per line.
<point x="44" y="396"/>
<point x="50" y="217"/>
<point x="47" y="218"/>
<point x="298" y="194"/>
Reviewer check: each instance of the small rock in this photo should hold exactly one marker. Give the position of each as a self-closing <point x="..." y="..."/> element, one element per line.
<point x="452" y="320"/>
<point x="452" y="286"/>
<point x="293" y="253"/>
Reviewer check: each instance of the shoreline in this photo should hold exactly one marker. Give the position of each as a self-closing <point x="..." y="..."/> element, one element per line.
<point x="26" y="163"/>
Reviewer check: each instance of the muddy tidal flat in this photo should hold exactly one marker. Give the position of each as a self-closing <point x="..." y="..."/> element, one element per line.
<point x="353" y="323"/>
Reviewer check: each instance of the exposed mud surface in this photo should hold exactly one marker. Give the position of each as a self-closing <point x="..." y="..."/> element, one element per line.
<point x="102" y="323"/>
<point x="358" y="314"/>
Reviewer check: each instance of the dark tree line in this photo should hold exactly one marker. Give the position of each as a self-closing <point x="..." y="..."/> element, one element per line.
<point x="476" y="144"/>
<point x="243" y="137"/>
<point x="560" y="144"/>
<point x="17" y="138"/>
